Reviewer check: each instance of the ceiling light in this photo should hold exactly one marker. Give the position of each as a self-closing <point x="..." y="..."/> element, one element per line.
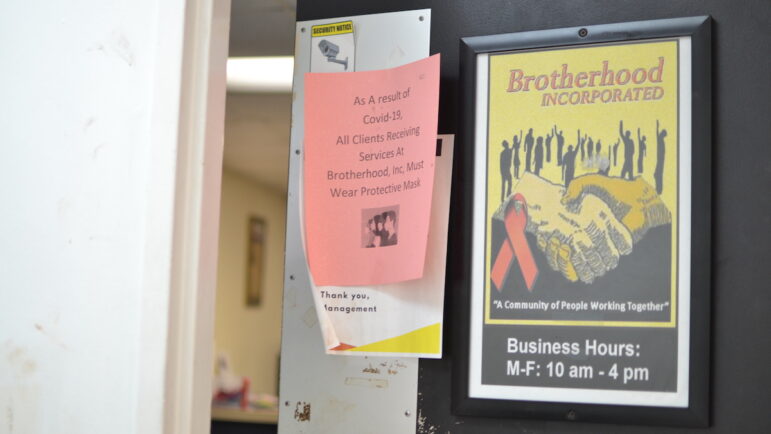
<point x="260" y="74"/>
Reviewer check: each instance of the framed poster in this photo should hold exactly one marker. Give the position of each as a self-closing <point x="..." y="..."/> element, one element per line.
<point x="587" y="224"/>
<point x="254" y="268"/>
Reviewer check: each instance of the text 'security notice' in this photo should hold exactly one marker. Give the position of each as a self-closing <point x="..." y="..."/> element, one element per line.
<point x="370" y="144"/>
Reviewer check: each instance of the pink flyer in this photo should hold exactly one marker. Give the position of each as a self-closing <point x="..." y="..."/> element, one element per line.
<point x="370" y="146"/>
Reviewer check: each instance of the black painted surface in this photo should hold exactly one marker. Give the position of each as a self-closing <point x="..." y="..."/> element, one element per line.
<point x="741" y="200"/>
<point x="223" y="427"/>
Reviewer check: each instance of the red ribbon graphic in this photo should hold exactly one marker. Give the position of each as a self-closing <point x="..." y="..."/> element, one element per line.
<point x="515" y="221"/>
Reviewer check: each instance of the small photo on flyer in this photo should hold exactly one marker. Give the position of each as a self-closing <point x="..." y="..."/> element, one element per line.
<point x="380" y="226"/>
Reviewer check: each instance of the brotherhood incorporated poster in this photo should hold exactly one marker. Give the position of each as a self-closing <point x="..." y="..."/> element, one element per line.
<point x="579" y="183"/>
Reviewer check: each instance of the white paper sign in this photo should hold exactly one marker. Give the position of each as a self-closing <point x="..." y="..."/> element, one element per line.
<point x="402" y="319"/>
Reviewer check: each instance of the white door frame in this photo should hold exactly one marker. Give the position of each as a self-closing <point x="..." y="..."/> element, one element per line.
<point x="188" y="376"/>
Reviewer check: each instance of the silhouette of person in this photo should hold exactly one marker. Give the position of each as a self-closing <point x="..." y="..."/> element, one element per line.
<point x="580" y="145"/>
<point x="641" y="147"/>
<point x="548" y="146"/>
<point x="378" y="231"/>
<point x="658" y="173"/>
<point x="388" y="236"/>
<point x="627" y="169"/>
<point x="604" y="163"/>
<point x="590" y="147"/>
<point x="560" y="144"/>
<point x="615" y="152"/>
<point x="369" y="232"/>
<point x="569" y="165"/>
<point x="538" y="163"/>
<point x="528" y="149"/>
<point x="517" y="162"/>
<point x="505" y="171"/>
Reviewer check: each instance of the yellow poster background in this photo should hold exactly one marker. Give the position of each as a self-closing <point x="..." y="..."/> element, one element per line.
<point x="512" y="112"/>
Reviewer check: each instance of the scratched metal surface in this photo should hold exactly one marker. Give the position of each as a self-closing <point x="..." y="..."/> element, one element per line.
<point x="336" y="394"/>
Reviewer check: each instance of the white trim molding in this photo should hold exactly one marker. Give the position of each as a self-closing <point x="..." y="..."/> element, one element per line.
<point x="187" y="406"/>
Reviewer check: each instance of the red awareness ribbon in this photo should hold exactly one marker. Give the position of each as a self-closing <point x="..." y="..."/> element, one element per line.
<point x="515" y="221"/>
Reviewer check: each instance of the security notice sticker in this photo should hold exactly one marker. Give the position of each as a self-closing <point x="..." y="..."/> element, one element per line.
<point x="580" y="188"/>
<point x="333" y="47"/>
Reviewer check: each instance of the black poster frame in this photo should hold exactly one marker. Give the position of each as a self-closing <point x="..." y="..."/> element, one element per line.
<point x="696" y="414"/>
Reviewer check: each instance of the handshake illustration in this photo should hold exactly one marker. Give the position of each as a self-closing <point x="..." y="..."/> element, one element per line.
<point x="585" y="229"/>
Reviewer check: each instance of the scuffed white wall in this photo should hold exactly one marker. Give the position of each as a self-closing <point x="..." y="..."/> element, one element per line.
<point x="89" y="92"/>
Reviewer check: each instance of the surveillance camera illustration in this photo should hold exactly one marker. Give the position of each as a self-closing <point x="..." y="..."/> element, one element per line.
<point x="330" y="51"/>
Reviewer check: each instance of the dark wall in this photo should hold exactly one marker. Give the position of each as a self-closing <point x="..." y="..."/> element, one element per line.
<point x="225" y="427"/>
<point x="741" y="186"/>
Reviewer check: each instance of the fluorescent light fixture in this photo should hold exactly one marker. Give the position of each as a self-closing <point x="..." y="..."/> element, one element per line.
<point x="260" y="74"/>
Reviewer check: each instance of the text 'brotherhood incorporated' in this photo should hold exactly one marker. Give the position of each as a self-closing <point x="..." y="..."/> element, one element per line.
<point x="602" y="77"/>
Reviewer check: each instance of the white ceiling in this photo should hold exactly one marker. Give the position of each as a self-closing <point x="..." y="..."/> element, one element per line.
<point x="257" y="125"/>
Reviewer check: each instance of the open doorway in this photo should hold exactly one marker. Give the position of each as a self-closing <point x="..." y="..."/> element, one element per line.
<point x="247" y="331"/>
